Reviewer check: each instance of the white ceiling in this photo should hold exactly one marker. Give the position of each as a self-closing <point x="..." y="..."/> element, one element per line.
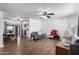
<point x="31" y="9"/>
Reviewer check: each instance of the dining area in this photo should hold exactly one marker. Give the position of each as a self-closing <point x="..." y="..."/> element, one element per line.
<point x="9" y="36"/>
<point x="10" y="32"/>
<point x="13" y="30"/>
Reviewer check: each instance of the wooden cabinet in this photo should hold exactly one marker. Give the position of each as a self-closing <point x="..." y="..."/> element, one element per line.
<point x="62" y="48"/>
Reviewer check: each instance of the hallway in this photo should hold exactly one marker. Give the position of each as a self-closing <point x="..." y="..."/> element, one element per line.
<point x="27" y="47"/>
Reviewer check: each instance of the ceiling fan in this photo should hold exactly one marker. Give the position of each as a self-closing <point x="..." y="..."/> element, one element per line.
<point x="47" y="15"/>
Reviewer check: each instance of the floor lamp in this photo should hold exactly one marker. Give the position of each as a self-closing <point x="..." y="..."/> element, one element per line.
<point x="72" y="26"/>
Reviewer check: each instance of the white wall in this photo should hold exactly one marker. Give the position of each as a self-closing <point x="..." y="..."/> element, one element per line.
<point x="58" y="24"/>
<point x="34" y="26"/>
<point x="73" y="21"/>
<point x="61" y="24"/>
<point x="1" y="28"/>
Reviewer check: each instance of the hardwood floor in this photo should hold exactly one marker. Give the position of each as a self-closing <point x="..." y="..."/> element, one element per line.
<point x="27" y="47"/>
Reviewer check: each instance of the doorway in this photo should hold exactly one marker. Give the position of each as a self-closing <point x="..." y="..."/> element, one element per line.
<point x="17" y="31"/>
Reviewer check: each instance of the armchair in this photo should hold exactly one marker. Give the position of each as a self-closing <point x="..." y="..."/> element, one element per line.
<point x="35" y="36"/>
<point x="54" y="34"/>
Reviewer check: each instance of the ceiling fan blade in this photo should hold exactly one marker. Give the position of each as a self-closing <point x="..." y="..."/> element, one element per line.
<point x="50" y="14"/>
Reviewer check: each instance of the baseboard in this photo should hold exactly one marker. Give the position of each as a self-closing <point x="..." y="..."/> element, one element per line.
<point x="1" y="46"/>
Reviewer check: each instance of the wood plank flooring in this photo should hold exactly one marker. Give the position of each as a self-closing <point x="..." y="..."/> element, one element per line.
<point x="27" y="47"/>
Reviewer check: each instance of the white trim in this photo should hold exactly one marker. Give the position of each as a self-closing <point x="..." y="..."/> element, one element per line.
<point x="1" y="46"/>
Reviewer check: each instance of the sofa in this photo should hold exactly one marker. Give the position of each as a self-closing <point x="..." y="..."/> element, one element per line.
<point x="74" y="49"/>
<point x="37" y="35"/>
<point x="74" y="46"/>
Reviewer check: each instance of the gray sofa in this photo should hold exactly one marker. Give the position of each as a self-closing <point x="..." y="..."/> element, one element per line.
<point x="36" y="36"/>
<point x="74" y="46"/>
<point x="74" y="49"/>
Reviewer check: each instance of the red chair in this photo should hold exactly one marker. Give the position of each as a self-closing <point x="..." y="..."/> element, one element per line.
<point x="54" y="34"/>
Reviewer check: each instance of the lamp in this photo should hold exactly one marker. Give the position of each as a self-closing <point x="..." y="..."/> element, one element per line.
<point x="72" y="26"/>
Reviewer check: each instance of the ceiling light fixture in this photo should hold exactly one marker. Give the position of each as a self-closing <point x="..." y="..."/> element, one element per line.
<point x="19" y="19"/>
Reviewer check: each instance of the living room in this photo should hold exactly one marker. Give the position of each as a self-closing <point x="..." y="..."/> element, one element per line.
<point x="25" y="27"/>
